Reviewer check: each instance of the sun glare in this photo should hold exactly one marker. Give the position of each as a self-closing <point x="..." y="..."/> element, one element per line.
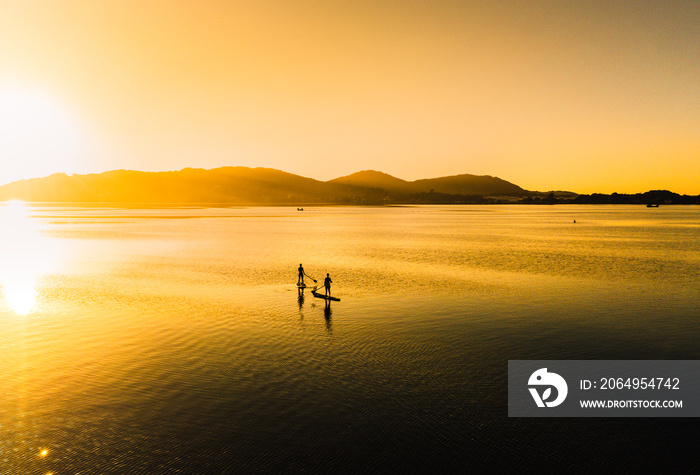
<point x="24" y="256"/>
<point x="37" y="137"/>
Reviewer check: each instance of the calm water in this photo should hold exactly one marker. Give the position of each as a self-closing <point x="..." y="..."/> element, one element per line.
<point x="175" y="340"/>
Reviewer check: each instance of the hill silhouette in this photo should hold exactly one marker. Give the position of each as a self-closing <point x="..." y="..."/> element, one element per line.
<point x="374" y="179"/>
<point x="469" y="185"/>
<point x="464" y="185"/>
<point x="243" y="185"/>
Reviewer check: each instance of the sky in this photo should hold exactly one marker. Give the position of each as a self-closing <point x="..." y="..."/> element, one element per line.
<point x="594" y="96"/>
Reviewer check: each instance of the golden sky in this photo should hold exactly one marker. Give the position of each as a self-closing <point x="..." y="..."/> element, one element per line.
<point x="594" y="96"/>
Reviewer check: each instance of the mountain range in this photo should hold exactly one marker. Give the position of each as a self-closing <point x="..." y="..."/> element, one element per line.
<point x="243" y="185"/>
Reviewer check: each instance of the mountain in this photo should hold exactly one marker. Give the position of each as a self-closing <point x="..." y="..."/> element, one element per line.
<point x="453" y="185"/>
<point x="463" y="185"/>
<point x="374" y="179"/>
<point x="220" y="185"/>
<point x="243" y="185"/>
<point x="468" y="185"/>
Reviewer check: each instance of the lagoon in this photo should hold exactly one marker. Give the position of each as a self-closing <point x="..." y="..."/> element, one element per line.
<point x="174" y="340"/>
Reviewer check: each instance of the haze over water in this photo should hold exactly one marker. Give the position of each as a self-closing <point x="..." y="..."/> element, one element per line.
<point x="158" y="340"/>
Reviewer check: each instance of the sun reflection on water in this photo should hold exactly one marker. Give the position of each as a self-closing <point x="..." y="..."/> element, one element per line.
<point x="25" y="254"/>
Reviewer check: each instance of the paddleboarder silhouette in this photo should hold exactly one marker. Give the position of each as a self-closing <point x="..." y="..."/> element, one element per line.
<point x="301" y="275"/>
<point x="327" y="284"/>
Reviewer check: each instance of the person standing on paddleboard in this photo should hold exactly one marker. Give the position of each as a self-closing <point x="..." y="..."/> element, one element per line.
<point x="301" y="275"/>
<point x="327" y="284"/>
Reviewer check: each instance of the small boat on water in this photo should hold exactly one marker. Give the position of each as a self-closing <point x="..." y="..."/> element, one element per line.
<point x="652" y="205"/>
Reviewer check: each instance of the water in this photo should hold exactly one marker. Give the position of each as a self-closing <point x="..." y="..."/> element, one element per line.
<point x="175" y="341"/>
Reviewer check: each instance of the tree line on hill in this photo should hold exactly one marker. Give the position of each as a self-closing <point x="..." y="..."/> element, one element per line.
<point x="653" y="197"/>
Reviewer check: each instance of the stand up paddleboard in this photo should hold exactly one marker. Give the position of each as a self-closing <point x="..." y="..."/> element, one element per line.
<point x="301" y="286"/>
<point x="323" y="296"/>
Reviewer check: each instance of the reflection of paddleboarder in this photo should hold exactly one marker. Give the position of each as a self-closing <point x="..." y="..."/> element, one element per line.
<point x="327" y="284"/>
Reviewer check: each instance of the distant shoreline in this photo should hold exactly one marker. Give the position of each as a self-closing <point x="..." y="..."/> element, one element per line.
<point x="244" y="186"/>
<point x="134" y="205"/>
